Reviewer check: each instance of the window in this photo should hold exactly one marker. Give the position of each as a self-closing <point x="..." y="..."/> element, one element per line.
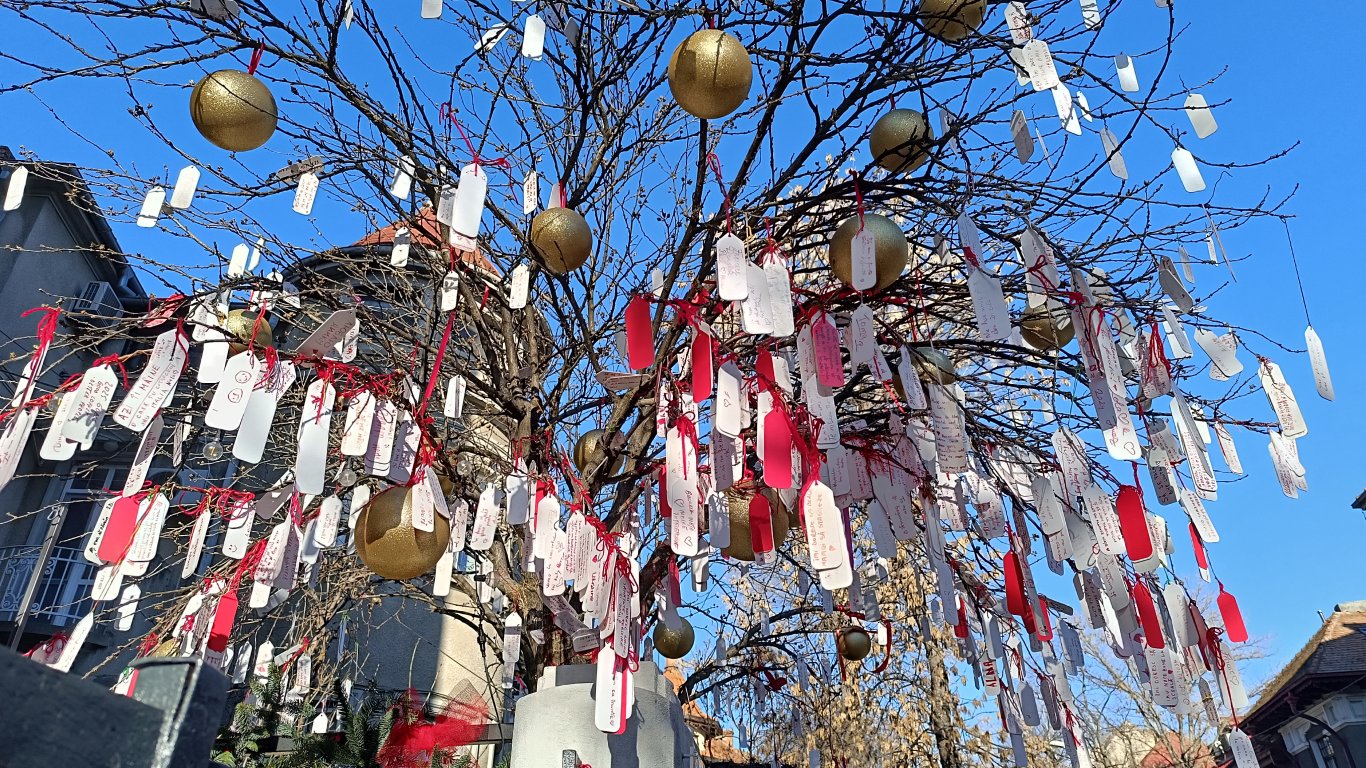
<point x="1323" y="744"/>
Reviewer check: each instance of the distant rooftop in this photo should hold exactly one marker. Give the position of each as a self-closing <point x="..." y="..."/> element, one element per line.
<point x="426" y="233"/>
<point x="1333" y="659"/>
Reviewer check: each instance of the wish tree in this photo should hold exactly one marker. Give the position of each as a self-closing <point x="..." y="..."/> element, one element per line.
<point x="840" y="351"/>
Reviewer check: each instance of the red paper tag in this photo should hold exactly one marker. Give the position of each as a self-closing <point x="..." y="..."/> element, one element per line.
<point x="223" y="617"/>
<point x="760" y="524"/>
<point x="665" y="511"/>
<point x="777" y="450"/>
<point x="1045" y="633"/>
<point x="1147" y="616"/>
<point x="675" y="591"/>
<point x="960" y="629"/>
<point x="763" y="366"/>
<point x="640" y="337"/>
<point x="1233" y="616"/>
<point x="1199" y="547"/>
<point x="1133" y="523"/>
<point x="701" y="367"/>
<point x="1015" y="597"/>
<point x="118" y="534"/>
<point x="826" y="342"/>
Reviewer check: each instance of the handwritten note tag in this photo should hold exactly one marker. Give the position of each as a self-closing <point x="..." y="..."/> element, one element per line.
<point x="824" y="527"/>
<point x="989" y="305"/>
<point x="732" y="278"/>
<point x="863" y="260"/>
<point x="1282" y="400"/>
<point x="756" y="311"/>
<point x="1323" y="382"/>
<point x="1038" y="62"/>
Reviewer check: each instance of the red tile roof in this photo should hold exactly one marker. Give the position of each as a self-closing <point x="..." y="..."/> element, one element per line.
<point x="427" y="233"/>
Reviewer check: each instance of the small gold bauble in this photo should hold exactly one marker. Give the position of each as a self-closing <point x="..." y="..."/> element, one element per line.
<point x="674" y="644"/>
<point x="900" y="140"/>
<point x="388" y="543"/>
<point x="952" y="20"/>
<point x="935" y="366"/>
<point x="889" y="243"/>
<point x="233" y="110"/>
<point x="710" y="74"/>
<point x="741" y="545"/>
<point x="562" y="239"/>
<point x="590" y="451"/>
<point x="853" y="643"/>
<point x="244" y="331"/>
<point x="1047" y="329"/>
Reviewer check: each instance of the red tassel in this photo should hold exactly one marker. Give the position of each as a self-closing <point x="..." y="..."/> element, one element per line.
<point x="1133" y="523"/>
<point x="1233" y="616"/>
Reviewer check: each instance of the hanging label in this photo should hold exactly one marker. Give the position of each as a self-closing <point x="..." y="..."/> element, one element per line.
<point x="863" y="260"/>
<point x="156" y="382"/>
<point x="1282" y="400"/>
<point x="1323" y="382"/>
<point x="780" y="299"/>
<point x="310" y="464"/>
<point x="756" y="309"/>
<point x="732" y="275"/>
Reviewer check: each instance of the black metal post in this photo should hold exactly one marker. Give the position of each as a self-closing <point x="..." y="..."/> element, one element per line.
<point x="55" y="519"/>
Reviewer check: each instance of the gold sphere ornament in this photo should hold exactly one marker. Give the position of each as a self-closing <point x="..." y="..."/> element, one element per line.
<point x="562" y="239"/>
<point x="900" y="140"/>
<point x="233" y="110"/>
<point x="934" y="365"/>
<point x="741" y="545"/>
<point x="590" y="451"/>
<point x="710" y="74"/>
<point x="388" y="543"/>
<point x="853" y="643"/>
<point x="890" y="248"/>
<point x="671" y="643"/>
<point x="244" y="331"/>
<point x="1047" y="328"/>
<point x="952" y="20"/>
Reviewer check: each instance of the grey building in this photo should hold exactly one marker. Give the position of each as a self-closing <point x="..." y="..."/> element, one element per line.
<point x="1313" y="713"/>
<point x="56" y="248"/>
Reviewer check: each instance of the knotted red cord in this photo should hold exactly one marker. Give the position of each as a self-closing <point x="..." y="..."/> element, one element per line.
<point x="448" y="114"/>
<point x="113" y="361"/>
<point x="714" y="163"/>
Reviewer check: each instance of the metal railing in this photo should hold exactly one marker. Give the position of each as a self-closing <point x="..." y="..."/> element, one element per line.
<point x="63" y="595"/>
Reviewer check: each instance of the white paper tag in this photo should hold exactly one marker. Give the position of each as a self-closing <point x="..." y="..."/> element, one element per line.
<point x="1184" y="163"/>
<point x="151" y="207"/>
<point x="230" y="397"/>
<point x="756" y="309"/>
<point x="469" y="201"/>
<point x="1114" y="155"/>
<point x="519" y="287"/>
<point x="531" y="193"/>
<point x="1038" y="62"/>
<point x="863" y="260"/>
<point x="14" y="189"/>
<point x="533" y="38"/>
<point x="732" y="277"/>
<point x="1282" y="400"/>
<point x="780" y="299"/>
<point x="305" y="193"/>
<point x="185" y="185"/>
<point x="1128" y="77"/>
<point x="156" y="382"/>
<point x="310" y="464"/>
<point x="989" y="306"/>
<point x="485" y="521"/>
<point x="1323" y="382"/>
<point x="332" y="331"/>
<point x="1202" y="119"/>
<point x="259" y="415"/>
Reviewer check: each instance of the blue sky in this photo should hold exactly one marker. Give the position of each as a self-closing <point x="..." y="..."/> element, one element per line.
<point x="1286" y="82"/>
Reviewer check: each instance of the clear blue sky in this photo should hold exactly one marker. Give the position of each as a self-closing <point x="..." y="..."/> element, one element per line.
<point x="1289" y="78"/>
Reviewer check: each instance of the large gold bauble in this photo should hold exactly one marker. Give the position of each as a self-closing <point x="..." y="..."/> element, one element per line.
<point x="233" y="110"/>
<point x="853" y="643"/>
<point x="934" y="365"/>
<point x="951" y="20"/>
<point x="741" y="545"/>
<point x="900" y="140"/>
<point x="889" y="243"/>
<point x="244" y="331"/>
<point x="1047" y="329"/>
<point x="590" y="451"/>
<point x="388" y="543"/>
<point x="674" y="644"/>
<point x="710" y="74"/>
<point x="562" y="239"/>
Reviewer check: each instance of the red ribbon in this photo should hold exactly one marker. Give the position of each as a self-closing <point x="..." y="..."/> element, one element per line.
<point x="714" y="163"/>
<point x="256" y="58"/>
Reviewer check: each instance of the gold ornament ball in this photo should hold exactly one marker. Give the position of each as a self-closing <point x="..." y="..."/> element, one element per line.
<point x="233" y="110"/>
<point x="952" y="20"/>
<point x="562" y="239"/>
<point x="590" y="449"/>
<point x="741" y="545"/>
<point x="674" y="644"/>
<point x="710" y="74"/>
<point x="890" y="248"/>
<point x="900" y="140"/>
<point x="388" y="543"/>
<point x="853" y="643"/>
<point x="1047" y="329"/>
<point x="934" y="365"/>
<point x="244" y="331"/>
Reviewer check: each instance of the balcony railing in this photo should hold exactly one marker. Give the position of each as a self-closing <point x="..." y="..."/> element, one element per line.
<point x="63" y="595"/>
